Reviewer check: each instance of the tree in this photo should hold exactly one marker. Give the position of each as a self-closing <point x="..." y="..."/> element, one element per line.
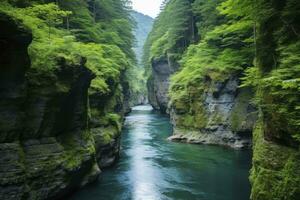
<point x="50" y="13"/>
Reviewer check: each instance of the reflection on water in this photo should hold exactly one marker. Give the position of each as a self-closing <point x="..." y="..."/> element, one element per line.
<point x="152" y="168"/>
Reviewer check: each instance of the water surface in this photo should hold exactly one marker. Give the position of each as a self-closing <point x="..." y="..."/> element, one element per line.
<point x="152" y="168"/>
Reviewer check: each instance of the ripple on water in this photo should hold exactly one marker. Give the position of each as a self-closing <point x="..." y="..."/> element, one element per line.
<point x="152" y="168"/>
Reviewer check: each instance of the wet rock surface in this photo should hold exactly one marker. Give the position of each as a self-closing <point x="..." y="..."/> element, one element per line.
<point x="225" y="116"/>
<point x="158" y="84"/>
<point x="47" y="145"/>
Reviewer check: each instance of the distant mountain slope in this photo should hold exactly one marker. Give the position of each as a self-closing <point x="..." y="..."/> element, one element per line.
<point x="143" y="27"/>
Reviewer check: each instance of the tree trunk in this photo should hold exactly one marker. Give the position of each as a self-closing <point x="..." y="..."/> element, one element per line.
<point x="94" y="10"/>
<point x="193" y="30"/>
<point x="49" y="31"/>
<point x="68" y="23"/>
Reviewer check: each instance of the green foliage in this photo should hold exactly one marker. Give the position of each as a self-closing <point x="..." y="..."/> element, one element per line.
<point x="135" y="74"/>
<point x="172" y="32"/>
<point x="206" y="15"/>
<point x="143" y="27"/>
<point x="50" y="13"/>
<point x="94" y="42"/>
<point x="92" y="47"/>
<point x="226" y="47"/>
<point x="276" y="76"/>
<point x="260" y="40"/>
<point x="102" y="21"/>
<point x="106" y="61"/>
<point x="278" y="93"/>
<point x="106" y="135"/>
<point x="276" y="171"/>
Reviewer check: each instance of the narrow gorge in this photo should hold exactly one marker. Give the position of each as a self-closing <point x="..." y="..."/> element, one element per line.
<point x="221" y="76"/>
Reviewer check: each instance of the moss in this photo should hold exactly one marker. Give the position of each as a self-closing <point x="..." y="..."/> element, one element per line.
<point x="75" y="155"/>
<point x="105" y="135"/>
<point x="179" y="102"/>
<point x="46" y="54"/>
<point x="195" y="118"/>
<point x="60" y="69"/>
<point x="276" y="169"/>
<point x="77" y="147"/>
<point x="188" y="85"/>
<point x="115" y="99"/>
<point x="216" y="118"/>
<point x="115" y="120"/>
<point x="239" y="113"/>
<point x="188" y="100"/>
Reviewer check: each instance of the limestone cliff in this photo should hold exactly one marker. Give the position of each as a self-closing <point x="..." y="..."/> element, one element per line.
<point x="44" y="141"/>
<point x="159" y="82"/>
<point x="238" y="70"/>
<point x="219" y="114"/>
<point x="58" y="126"/>
<point x="275" y="168"/>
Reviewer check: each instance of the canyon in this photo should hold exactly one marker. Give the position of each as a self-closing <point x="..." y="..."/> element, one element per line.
<point x="222" y="80"/>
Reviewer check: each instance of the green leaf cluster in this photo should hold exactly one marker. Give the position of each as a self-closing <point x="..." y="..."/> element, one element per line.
<point x="104" y="60"/>
<point x="225" y="48"/>
<point x="172" y="31"/>
<point x="277" y="71"/>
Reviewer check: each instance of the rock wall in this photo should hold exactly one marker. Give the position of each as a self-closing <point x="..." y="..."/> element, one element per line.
<point x="275" y="172"/>
<point x="158" y="83"/>
<point x="51" y="143"/>
<point x="206" y="106"/>
<point x="106" y="113"/>
<point x="220" y="114"/>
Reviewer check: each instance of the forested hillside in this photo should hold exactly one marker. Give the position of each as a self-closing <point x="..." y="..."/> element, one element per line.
<point x="64" y="88"/>
<point x="143" y="25"/>
<point x="227" y="71"/>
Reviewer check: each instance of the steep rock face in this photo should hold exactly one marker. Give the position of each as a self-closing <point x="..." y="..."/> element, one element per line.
<point x="129" y="97"/>
<point x="220" y="114"/>
<point x="275" y="172"/>
<point x="158" y="84"/>
<point x="151" y="93"/>
<point x="48" y="144"/>
<point x="105" y="124"/>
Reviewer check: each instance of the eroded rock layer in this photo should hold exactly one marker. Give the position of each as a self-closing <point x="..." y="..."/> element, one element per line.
<point x="219" y="114"/>
<point x="56" y="132"/>
<point x="159" y="82"/>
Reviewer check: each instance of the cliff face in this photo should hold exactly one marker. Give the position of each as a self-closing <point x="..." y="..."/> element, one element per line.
<point x="275" y="172"/>
<point x="56" y="130"/>
<point x="219" y="114"/>
<point x="275" y="168"/>
<point x="159" y="82"/>
<point x="106" y="116"/>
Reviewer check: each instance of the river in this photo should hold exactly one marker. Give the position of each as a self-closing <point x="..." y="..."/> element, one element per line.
<point x="152" y="168"/>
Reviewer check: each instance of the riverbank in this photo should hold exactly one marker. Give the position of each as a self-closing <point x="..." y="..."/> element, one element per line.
<point x="151" y="167"/>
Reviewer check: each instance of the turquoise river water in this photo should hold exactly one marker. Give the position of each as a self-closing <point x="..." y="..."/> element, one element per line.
<point x="152" y="168"/>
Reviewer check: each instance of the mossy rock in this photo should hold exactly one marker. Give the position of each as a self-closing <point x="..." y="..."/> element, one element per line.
<point x="105" y="135"/>
<point x="276" y="169"/>
<point x="243" y="114"/>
